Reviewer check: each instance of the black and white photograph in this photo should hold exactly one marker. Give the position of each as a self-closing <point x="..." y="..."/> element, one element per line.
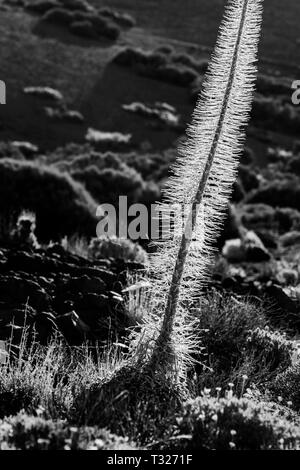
<point x="149" y="228"/>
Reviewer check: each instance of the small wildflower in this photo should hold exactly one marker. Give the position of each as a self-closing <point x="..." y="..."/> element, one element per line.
<point x="281" y="443"/>
<point x="99" y="443"/>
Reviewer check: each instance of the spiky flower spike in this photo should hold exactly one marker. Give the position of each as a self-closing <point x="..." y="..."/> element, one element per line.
<point x="205" y="171"/>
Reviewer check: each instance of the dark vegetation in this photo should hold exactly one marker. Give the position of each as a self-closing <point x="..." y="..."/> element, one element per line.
<point x="81" y="19"/>
<point x="71" y="306"/>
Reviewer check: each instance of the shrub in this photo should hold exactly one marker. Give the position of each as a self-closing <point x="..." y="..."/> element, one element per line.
<point x="77" y="5"/>
<point x="176" y="74"/>
<point x="275" y="114"/>
<point x="287" y="385"/>
<point x="24" y="233"/>
<point x="117" y="248"/>
<point x="290" y="239"/>
<point x="281" y="193"/>
<point x="190" y="61"/>
<point x="151" y="166"/>
<point x="156" y="65"/>
<point x="123" y="19"/>
<point x="58" y="16"/>
<point x="42" y="6"/>
<point x="259" y="216"/>
<point x="44" y="92"/>
<point x="271" y="350"/>
<point x="237" y="341"/>
<point x="104" y="27"/>
<point x="267" y="85"/>
<point x="226" y="325"/>
<point x="62" y="206"/>
<point x="130" y="57"/>
<point x="106" y="176"/>
<point x="83" y="28"/>
<point x="234" y="424"/>
<point x="167" y="50"/>
<point x="64" y="115"/>
<point x="108" y="140"/>
<point x="28" y="432"/>
<point x="84" y="23"/>
<point x="107" y="185"/>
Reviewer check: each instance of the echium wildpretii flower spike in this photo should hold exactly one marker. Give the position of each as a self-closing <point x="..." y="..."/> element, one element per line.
<point x="205" y="170"/>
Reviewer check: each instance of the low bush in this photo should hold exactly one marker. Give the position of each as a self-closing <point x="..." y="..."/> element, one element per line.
<point x="165" y="49"/>
<point x="77" y="5"/>
<point x="44" y="92"/>
<point x="290" y="239"/>
<point x="117" y="248"/>
<point x="29" y="432"/>
<point x="103" y="26"/>
<point x="287" y="385"/>
<point x="83" y="23"/>
<point x="280" y="193"/>
<point x="151" y="166"/>
<point x="276" y="114"/>
<point x="237" y="341"/>
<point x="62" y="205"/>
<point x="270" y="350"/>
<point x="181" y="75"/>
<point x="108" y="184"/>
<point x="156" y="65"/>
<point x="267" y="85"/>
<point x="233" y="424"/>
<point x="190" y="61"/>
<point x="105" y="141"/>
<point x="262" y="216"/>
<point x="84" y="29"/>
<point x="58" y="16"/>
<point x="42" y="6"/>
<point x="107" y="177"/>
<point x="226" y="324"/>
<point x="122" y="19"/>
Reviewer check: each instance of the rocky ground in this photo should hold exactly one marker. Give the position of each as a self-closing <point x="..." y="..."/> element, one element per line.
<point x="55" y="290"/>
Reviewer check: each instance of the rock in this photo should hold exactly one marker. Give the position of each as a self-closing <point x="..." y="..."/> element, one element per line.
<point x="87" y="285"/>
<point x="234" y="251"/>
<point x="14" y="288"/>
<point x="54" y="289"/>
<point x="255" y="249"/>
<point x="249" y="248"/>
<point x="279" y="298"/>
